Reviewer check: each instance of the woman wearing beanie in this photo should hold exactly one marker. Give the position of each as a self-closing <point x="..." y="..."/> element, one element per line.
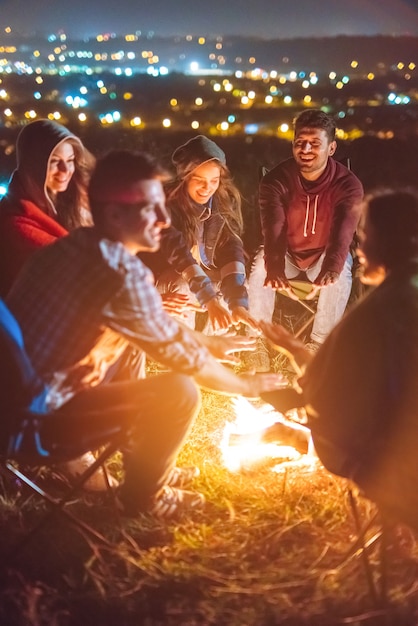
<point x="202" y="253"/>
<point x="46" y="196"/>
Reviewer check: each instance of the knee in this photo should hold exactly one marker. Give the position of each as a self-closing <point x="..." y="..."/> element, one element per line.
<point x="186" y="392"/>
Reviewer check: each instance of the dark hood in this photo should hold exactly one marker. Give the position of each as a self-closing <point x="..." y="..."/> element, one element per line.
<point x="34" y="146"/>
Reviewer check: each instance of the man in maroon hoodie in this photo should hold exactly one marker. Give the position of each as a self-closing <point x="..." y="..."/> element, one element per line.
<point x="310" y="206"/>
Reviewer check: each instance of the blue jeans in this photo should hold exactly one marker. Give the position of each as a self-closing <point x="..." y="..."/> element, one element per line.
<point x="332" y="299"/>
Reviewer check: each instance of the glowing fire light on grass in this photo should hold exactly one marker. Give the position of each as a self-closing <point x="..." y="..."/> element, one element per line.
<point x="263" y="433"/>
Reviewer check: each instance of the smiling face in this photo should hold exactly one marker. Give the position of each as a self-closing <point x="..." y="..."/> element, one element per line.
<point x="311" y="149"/>
<point x="203" y="182"/>
<point x="61" y="167"/>
<point x="138" y="224"/>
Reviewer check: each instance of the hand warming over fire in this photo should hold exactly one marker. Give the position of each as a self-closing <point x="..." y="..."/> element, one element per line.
<point x="262" y="382"/>
<point x="222" y="346"/>
<point x="219" y="316"/>
<point x="175" y="303"/>
<point x="240" y="315"/>
<point x="285" y="342"/>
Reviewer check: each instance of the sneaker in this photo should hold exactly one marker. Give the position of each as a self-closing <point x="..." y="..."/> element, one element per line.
<point x="312" y="346"/>
<point x="97" y="482"/>
<point x="170" y="502"/>
<point x="182" y="476"/>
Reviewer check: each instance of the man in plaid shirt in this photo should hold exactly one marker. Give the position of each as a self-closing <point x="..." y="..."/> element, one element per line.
<point x="81" y="301"/>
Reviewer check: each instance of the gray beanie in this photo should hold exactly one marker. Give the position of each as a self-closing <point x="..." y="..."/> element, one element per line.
<point x="195" y="152"/>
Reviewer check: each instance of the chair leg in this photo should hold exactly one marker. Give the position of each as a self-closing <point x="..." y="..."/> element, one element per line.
<point x="362" y="541"/>
<point x="309" y="321"/>
<point x="57" y="505"/>
<point x="378" y="591"/>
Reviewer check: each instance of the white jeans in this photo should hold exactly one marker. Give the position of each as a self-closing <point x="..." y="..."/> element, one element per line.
<point x="332" y="299"/>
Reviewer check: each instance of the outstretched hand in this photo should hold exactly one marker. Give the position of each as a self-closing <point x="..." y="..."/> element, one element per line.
<point x="287" y="343"/>
<point x="176" y="303"/>
<point x="263" y="382"/>
<point x="219" y="316"/>
<point x="240" y="315"/>
<point x="222" y="347"/>
<point x="280" y="283"/>
<point x="327" y="278"/>
<point x="280" y="337"/>
<point x="324" y="280"/>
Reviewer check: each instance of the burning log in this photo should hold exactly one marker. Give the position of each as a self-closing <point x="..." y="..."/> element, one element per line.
<point x="281" y="433"/>
<point x="259" y="433"/>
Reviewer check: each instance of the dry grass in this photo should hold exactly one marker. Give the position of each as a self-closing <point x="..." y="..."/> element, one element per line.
<point x="270" y="549"/>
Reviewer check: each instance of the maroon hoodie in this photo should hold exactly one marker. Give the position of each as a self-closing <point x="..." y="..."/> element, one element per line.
<point x="306" y="218"/>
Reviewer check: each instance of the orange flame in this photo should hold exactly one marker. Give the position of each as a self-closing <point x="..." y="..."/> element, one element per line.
<point x="249" y="448"/>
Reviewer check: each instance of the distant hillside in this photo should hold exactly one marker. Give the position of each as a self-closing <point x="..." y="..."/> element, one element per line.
<point x="334" y="53"/>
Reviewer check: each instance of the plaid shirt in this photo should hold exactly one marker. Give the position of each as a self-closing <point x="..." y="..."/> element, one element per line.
<point x="81" y="300"/>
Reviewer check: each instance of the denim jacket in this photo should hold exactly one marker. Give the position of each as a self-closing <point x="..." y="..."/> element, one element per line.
<point x="223" y="252"/>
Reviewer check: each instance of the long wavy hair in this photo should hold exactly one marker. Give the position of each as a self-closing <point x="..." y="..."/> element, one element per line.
<point x="226" y="201"/>
<point x="72" y="205"/>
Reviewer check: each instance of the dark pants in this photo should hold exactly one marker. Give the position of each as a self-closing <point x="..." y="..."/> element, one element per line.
<point x="160" y="411"/>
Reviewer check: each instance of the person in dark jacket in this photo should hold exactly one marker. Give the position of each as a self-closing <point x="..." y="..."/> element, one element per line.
<point x="360" y="387"/>
<point x="202" y="254"/>
<point x="309" y="208"/>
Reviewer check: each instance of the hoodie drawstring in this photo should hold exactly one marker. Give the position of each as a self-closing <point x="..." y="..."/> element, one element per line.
<point x="315" y="209"/>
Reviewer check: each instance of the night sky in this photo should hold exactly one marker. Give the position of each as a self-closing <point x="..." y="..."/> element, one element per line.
<point x="263" y="18"/>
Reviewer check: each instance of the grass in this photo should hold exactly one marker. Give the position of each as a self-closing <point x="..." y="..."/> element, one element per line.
<point x="271" y="548"/>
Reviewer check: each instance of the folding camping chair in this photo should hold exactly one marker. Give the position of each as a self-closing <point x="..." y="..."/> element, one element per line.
<point x="23" y="445"/>
<point x="302" y="288"/>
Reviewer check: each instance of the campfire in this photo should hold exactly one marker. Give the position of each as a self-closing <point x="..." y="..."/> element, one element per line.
<point x="260" y="433"/>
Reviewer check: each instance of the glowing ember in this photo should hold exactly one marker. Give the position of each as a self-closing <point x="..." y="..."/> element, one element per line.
<point x="257" y="434"/>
